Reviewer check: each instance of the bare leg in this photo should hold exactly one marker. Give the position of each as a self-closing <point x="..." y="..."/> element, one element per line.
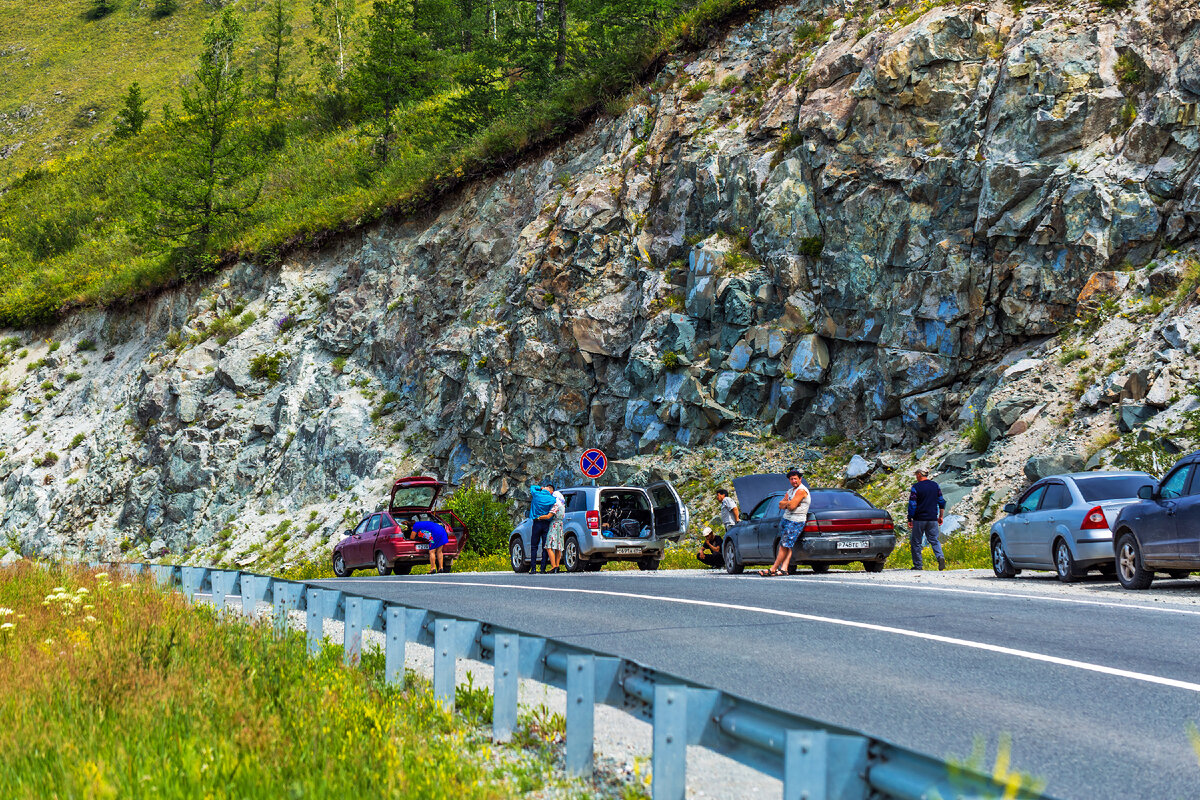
<point x="432" y="561"/>
<point x="441" y="559"/>
<point x="785" y="556"/>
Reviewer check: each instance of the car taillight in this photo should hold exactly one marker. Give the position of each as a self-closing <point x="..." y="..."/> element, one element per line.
<point x="593" y="519"/>
<point x="812" y="526"/>
<point x="887" y="525"/>
<point x="1094" y="520"/>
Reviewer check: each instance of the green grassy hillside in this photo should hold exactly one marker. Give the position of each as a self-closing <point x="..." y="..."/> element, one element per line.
<point x="472" y="91"/>
<point x="64" y="74"/>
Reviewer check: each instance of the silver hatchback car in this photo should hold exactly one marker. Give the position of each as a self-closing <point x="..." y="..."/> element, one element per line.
<point x="610" y="523"/>
<point x="1063" y="523"/>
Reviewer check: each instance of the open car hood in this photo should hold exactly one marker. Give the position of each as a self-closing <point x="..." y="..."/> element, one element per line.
<point x="751" y="489"/>
<point x="414" y="494"/>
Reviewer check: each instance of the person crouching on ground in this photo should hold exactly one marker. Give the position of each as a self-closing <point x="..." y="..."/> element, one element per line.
<point x="795" y="513"/>
<point x="541" y="503"/>
<point x="710" y="550"/>
<point x="437" y="535"/>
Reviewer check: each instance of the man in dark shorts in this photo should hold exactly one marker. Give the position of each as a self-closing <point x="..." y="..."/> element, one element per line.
<point x="436" y="534"/>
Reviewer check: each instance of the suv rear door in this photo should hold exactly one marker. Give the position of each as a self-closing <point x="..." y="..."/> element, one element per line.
<point x="669" y="513"/>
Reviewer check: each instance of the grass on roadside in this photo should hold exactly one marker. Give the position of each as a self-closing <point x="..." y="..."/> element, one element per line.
<point x="115" y="689"/>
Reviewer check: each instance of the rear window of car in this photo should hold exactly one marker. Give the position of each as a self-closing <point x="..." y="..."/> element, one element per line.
<point x="837" y="501"/>
<point x="1112" y="487"/>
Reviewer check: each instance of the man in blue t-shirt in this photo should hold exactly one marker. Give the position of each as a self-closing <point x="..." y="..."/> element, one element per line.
<point x="436" y="534"/>
<point x="926" y="508"/>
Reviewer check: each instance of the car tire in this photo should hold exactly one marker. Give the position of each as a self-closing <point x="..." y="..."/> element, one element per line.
<point x="448" y="565"/>
<point x="648" y="563"/>
<point x="401" y="568"/>
<point x="819" y="568"/>
<point x="729" y="552"/>
<point x="571" y="558"/>
<point x="516" y="555"/>
<point x="339" y="566"/>
<point x="873" y="566"/>
<point x="1064" y="562"/>
<point x="1000" y="563"/>
<point x="381" y="564"/>
<point x="1179" y="574"/>
<point x="1131" y="572"/>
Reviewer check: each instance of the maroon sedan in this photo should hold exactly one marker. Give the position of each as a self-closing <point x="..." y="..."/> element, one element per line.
<point x="379" y="541"/>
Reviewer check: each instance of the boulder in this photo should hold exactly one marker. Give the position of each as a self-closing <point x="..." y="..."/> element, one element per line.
<point x="1161" y="390"/>
<point x="1134" y="415"/>
<point x="1177" y="333"/>
<point x="1053" y="463"/>
<point x="1022" y="367"/>
<point x="858" y="467"/>
<point x="1025" y="420"/>
<point x="1001" y="416"/>
<point x="9" y="558"/>
<point x="809" y="360"/>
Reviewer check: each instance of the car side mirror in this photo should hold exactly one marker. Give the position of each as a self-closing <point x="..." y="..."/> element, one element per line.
<point x="1146" y="492"/>
<point x="347" y="533"/>
<point x="1010" y="508"/>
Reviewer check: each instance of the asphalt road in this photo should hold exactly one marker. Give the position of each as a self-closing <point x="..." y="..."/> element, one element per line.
<point x="1096" y="688"/>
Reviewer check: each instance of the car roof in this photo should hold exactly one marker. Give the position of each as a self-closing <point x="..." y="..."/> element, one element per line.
<point x="1115" y="473"/>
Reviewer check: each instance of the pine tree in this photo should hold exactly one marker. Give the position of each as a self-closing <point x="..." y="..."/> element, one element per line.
<point x="278" y="33"/>
<point x="396" y="64"/>
<point x="201" y="183"/>
<point x="133" y="113"/>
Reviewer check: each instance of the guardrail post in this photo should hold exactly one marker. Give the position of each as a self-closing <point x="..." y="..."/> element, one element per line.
<point x="222" y="582"/>
<point x="804" y="765"/>
<point x="250" y="595"/>
<point x="444" y="662"/>
<point x="669" y="759"/>
<point x="162" y="573"/>
<point x="352" y="643"/>
<point x="315" y="626"/>
<point x="505" y="683"/>
<point x="581" y="707"/>
<point x="393" y="649"/>
<point x="287" y="599"/>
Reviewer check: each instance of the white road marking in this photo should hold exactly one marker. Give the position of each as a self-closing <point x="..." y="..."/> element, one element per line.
<point x="988" y="593"/>
<point x="846" y="623"/>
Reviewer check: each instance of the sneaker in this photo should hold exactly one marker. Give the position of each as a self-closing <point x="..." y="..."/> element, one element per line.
<point x="916" y="567"/>
<point x="941" y="564"/>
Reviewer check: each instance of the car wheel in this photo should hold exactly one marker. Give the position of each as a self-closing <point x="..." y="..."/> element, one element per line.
<point x="732" y="565"/>
<point x="401" y="569"/>
<point x="516" y="555"/>
<point x="381" y="565"/>
<point x="1000" y="563"/>
<point x="819" y="568"/>
<point x="1064" y="562"/>
<point x="648" y="563"/>
<point x="339" y="566"/>
<point x="571" y="558"/>
<point x="1179" y="574"/>
<point x="1131" y="572"/>
<point x="873" y="566"/>
<point x="448" y="565"/>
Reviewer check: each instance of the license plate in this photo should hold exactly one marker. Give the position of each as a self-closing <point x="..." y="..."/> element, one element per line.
<point x="426" y="547"/>
<point x="854" y="545"/>
<point x="628" y="551"/>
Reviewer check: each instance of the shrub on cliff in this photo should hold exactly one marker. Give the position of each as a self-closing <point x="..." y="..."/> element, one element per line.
<point x="488" y="519"/>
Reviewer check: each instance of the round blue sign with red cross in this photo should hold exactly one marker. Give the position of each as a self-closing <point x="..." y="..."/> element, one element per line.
<point x="593" y="463"/>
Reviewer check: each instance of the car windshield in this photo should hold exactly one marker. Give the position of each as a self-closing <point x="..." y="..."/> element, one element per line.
<point x="1112" y="487"/>
<point x="837" y="501"/>
<point x="414" y="497"/>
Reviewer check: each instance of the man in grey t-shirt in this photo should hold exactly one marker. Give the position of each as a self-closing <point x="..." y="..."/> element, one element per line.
<point x="729" y="509"/>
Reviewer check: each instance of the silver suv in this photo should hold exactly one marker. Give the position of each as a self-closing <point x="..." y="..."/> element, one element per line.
<point x="610" y="523"/>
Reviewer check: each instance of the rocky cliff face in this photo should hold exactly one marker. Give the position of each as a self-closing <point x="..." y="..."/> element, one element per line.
<point x="826" y="223"/>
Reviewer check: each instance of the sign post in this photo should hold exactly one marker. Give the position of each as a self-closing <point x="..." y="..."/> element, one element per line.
<point x="593" y="463"/>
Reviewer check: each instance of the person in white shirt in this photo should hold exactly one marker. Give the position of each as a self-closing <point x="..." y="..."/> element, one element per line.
<point x="729" y="509"/>
<point x="795" y="513"/>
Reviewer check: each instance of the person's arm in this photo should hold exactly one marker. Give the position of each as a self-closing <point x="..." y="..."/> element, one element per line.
<point x="941" y="506"/>
<point x="912" y="503"/>
<point x="737" y="514"/>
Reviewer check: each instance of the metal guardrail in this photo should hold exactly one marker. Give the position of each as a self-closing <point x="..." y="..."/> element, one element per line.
<point x="815" y="760"/>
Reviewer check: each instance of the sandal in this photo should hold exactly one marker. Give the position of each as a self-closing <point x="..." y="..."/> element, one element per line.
<point x="769" y="573"/>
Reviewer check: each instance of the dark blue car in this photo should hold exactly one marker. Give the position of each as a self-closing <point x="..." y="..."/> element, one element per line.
<point x="1162" y="532"/>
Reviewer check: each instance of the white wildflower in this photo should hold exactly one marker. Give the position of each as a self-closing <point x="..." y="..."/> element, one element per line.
<point x="6" y="612"/>
<point x="7" y="626"/>
<point x="89" y="618"/>
<point x="126" y="585"/>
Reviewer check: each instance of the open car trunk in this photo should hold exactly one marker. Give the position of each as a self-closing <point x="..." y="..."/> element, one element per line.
<point x="670" y="514"/>
<point x="414" y="494"/>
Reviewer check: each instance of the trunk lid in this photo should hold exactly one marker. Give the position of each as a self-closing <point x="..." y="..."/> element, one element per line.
<point x="669" y="513"/>
<point x="415" y="493"/>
